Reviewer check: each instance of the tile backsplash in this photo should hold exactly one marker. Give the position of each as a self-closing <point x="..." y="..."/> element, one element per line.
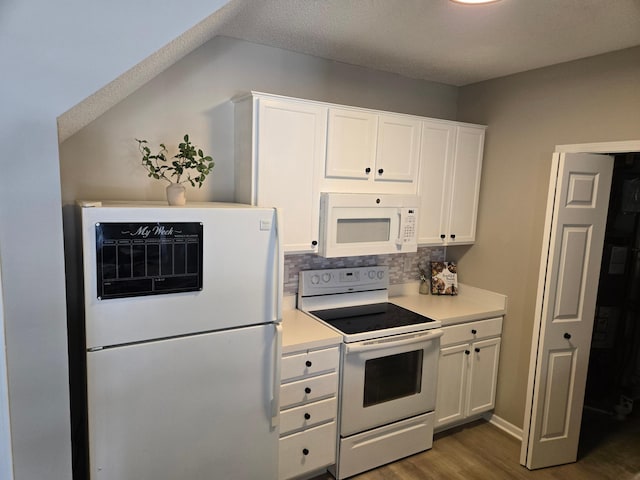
<point x="403" y="267"/>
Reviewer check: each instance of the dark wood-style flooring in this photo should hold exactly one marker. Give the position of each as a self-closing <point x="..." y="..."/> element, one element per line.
<point x="609" y="449"/>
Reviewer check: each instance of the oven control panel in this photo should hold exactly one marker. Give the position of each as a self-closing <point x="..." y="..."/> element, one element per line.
<point x="343" y="280"/>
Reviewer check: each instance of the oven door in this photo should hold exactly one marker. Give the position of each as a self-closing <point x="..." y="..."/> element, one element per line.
<point x="388" y="379"/>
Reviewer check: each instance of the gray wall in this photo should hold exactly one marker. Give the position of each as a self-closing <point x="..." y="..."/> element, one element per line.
<point x="193" y="96"/>
<point x="591" y="100"/>
<point x="53" y="55"/>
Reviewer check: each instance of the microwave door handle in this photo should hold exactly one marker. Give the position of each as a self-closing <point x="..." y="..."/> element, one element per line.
<point x="391" y="343"/>
<point x="400" y="228"/>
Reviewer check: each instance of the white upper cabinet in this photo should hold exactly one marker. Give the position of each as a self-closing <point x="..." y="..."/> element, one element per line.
<point x="351" y="143"/>
<point x="371" y="152"/>
<point x="289" y="150"/>
<point x="449" y="187"/>
<point x="280" y="150"/>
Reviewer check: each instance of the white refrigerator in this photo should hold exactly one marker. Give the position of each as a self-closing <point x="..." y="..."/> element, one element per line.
<point x="183" y="340"/>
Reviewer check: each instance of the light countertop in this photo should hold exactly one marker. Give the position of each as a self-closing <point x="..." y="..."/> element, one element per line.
<point x="470" y="304"/>
<point x="302" y="332"/>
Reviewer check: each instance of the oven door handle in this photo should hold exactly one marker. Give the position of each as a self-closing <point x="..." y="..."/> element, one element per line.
<point x="392" y="342"/>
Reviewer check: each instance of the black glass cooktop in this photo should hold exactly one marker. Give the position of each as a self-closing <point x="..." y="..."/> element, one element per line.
<point x="368" y="318"/>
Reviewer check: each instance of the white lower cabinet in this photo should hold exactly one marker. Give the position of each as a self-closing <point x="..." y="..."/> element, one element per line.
<point x="308" y="411"/>
<point x="468" y="371"/>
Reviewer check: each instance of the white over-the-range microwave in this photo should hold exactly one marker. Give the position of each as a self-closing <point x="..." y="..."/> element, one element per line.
<point x="354" y="224"/>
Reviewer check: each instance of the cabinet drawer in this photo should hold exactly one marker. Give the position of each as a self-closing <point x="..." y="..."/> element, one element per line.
<point x="309" y="363"/>
<point x="309" y="415"/>
<point x="464" y="332"/>
<point x="307" y="451"/>
<point x="308" y="389"/>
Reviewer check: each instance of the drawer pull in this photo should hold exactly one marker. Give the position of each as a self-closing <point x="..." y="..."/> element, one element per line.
<point x="567" y="336"/>
<point x="474" y="331"/>
<point x="305" y="451"/>
<point x="307" y="416"/>
<point x="477" y="350"/>
<point x="467" y="352"/>
<point x="307" y="390"/>
<point x="308" y="363"/>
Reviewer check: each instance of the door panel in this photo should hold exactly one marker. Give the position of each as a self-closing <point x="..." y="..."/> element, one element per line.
<point x="559" y="376"/>
<point x="567" y="289"/>
<point x="574" y="251"/>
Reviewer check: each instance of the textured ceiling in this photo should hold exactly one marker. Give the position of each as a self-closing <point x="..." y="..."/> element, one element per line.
<point x="439" y="40"/>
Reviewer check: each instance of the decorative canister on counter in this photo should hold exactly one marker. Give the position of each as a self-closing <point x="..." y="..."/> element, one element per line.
<point x="424" y="280"/>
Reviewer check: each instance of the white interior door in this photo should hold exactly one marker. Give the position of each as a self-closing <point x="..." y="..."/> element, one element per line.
<point x="567" y="289"/>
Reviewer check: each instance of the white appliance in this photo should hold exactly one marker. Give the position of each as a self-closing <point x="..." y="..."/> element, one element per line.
<point x="354" y="224"/>
<point x="389" y="366"/>
<point x="183" y="342"/>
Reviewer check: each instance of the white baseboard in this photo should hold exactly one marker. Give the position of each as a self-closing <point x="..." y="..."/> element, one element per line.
<point x="503" y="425"/>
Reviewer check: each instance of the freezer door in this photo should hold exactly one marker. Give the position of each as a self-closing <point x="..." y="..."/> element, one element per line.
<point x="196" y="407"/>
<point x="241" y="264"/>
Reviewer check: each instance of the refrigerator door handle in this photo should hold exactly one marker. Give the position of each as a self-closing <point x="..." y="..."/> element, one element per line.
<point x="280" y="267"/>
<point x="275" y="401"/>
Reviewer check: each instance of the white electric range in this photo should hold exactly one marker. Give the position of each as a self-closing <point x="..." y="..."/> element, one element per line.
<point x="389" y="365"/>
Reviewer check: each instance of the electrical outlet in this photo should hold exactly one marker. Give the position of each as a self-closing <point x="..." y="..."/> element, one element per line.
<point x="408" y="263"/>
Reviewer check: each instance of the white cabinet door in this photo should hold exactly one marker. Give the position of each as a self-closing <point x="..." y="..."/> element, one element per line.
<point x="452" y="381"/>
<point x="351" y="143"/>
<point x="371" y="152"/>
<point x="465" y="185"/>
<point x="282" y="164"/>
<point x="398" y="148"/>
<point x="483" y="376"/>
<point x="436" y="160"/>
<point x="449" y="187"/>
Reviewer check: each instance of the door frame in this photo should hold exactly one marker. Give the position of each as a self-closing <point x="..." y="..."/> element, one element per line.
<point x="6" y="457"/>
<point x="602" y="148"/>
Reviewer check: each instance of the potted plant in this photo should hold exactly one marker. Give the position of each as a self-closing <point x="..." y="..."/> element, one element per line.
<point x="189" y="165"/>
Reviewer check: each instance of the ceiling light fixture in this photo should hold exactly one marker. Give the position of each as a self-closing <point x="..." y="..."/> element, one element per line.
<point x="474" y="2"/>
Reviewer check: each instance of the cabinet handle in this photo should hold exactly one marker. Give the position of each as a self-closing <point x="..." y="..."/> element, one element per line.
<point x="367" y="170"/>
<point x="474" y="331"/>
<point x="453" y="236"/>
<point x="307" y="416"/>
<point x="308" y="363"/>
<point x="467" y="352"/>
<point x="567" y="336"/>
<point x="477" y="350"/>
<point x="442" y="236"/>
<point x="380" y="171"/>
<point x="307" y="390"/>
<point x="305" y="451"/>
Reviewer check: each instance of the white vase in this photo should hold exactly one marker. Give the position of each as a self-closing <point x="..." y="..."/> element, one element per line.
<point x="176" y="194"/>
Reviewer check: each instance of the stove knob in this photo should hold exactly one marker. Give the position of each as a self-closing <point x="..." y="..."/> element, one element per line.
<point x="315" y="279"/>
<point x="381" y="274"/>
<point x="372" y="274"/>
<point x="326" y="277"/>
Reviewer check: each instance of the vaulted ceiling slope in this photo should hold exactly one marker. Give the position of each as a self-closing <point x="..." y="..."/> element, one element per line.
<point x="435" y="40"/>
<point x="439" y="40"/>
